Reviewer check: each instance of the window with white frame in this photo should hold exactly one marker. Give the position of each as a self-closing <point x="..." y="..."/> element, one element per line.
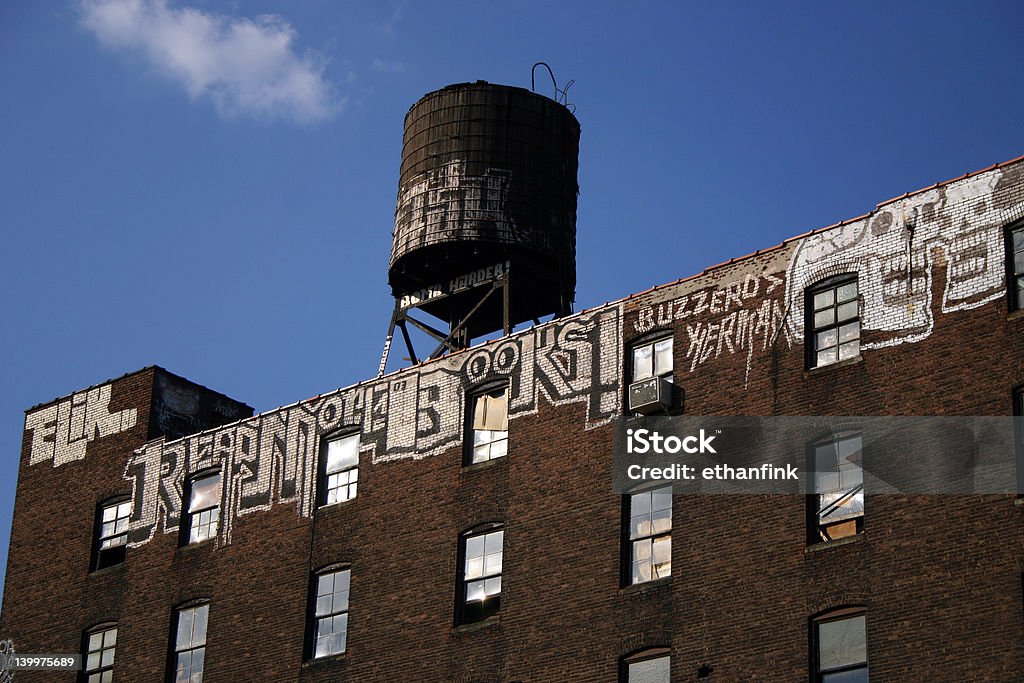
<point x="112" y="533"/>
<point x="99" y="654"/>
<point x="340" y="469"/>
<point x="330" y="613"/>
<point x="833" y="321"/>
<point x="203" y="507"/>
<point x="480" y="575"/>
<point x="838" y="500"/>
<point x="489" y="427"/>
<point x="841" y="647"/>
<point x="650" y="535"/>
<point x="652" y="359"/>
<point x="190" y="644"/>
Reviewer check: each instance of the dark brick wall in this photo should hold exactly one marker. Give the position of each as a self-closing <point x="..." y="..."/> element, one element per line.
<point x="939" y="576"/>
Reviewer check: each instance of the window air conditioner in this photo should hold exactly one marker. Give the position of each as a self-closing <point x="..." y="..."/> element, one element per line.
<point x="651" y="395"/>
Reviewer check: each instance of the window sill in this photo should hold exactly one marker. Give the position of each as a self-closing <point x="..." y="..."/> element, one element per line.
<point x="646" y="586"/>
<point x="340" y="503"/>
<point x="1016" y="315"/>
<point x="839" y="364"/>
<point x="477" y="625"/>
<point x="1018" y="501"/>
<point x="476" y="466"/>
<point x="826" y="545"/>
<point x="325" y="661"/>
<point x="110" y="569"/>
<point x="210" y="542"/>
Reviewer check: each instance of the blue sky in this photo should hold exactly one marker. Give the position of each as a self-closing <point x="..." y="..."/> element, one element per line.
<point x="210" y="186"/>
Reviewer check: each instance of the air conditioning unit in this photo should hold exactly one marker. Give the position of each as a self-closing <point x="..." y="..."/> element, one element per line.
<point x="652" y="395"/>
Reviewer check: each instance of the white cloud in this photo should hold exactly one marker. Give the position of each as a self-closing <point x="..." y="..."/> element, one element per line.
<point x="246" y="66"/>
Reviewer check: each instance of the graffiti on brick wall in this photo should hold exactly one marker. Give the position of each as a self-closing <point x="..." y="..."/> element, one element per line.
<point x="740" y="316"/>
<point x="897" y="253"/>
<point x="272" y="459"/>
<point x="447" y="198"/>
<point x="62" y="431"/>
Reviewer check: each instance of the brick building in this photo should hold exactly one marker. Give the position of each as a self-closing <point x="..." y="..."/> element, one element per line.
<point x="454" y="521"/>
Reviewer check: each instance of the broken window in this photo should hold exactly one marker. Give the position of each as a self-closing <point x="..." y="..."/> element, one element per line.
<point x="340" y="472"/>
<point x="112" y="533"/>
<point x="330" y="613"/>
<point x="100" y="645"/>
<point x="650" y="535"/>
<point x="833" y="323"/>
<point x="480" y="575"/>
<point x="489" y="427"/>
<point x="204" y="507"/>
<point x="841" y="647"/>
<point x="838" y="500"/>
<point x="653" y="359"/>
<point x="1015" y="260"/>
<point x="190" y="644"/>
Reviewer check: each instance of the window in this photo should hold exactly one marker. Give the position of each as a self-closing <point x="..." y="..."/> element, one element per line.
<point x="489" y="426"/>
<point x="99" y="655"/>
<point x="1018" y="412"/>
<point x="1015" y="260"/>
<point x="650" y="535"/>
<point x="190" y="644"/>
<point x="841" y="647"/>
<point x="832" y="321"/>
<point x="653" y="359"/>
<point x="330" y="613"/>
<point x="480" y="575"/>
<point x="341" y="469"/>
<point x="647" y="666"/>
<point x="112" y="533"/>
<point x="837" y="506"/>
<point x="203" y="507"/>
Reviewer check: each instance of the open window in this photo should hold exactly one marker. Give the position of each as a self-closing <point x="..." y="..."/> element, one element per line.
<point x="111" y="539"/>
<point x="487" y="433"/>
<point x="836" y="507"/>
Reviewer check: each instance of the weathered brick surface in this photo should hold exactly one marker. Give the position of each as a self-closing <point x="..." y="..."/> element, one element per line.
<point x="940" y="576"/>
